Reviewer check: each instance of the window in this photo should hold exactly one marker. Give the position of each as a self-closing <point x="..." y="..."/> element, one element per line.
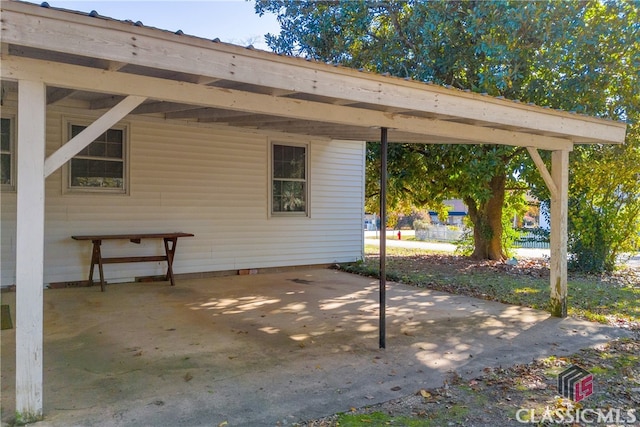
<point x="100" y="165"/>
<point x="289" y="179"/>
<point x="6" y="153"/>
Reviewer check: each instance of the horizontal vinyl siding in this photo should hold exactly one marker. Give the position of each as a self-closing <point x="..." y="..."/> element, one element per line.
<point x="8" y="210"/>
<point x="7" y="238"/>
<point x="209" y="181"/>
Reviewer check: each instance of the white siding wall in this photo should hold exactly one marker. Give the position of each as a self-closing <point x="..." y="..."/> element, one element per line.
<point x="210" y="181"/>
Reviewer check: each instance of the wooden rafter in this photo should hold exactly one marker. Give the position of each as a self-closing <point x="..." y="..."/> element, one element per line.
<point x="160" y="107"/>
<point x="106" y="102"/>
<point x="56" y="94"/>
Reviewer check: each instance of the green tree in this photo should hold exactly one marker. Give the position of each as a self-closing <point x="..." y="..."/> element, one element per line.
<point x="559" y="54"/>
<point x="604" y="206"/>
<point x="600" y="75"/>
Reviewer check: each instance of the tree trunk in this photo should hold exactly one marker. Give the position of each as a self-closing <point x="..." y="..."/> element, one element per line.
<point x="487" y="222"/>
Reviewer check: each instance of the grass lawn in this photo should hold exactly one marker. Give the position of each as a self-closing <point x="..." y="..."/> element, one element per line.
<point x="611" y="299"/>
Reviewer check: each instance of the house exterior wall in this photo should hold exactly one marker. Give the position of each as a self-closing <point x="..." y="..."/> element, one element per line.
<point x="202" y="179"/>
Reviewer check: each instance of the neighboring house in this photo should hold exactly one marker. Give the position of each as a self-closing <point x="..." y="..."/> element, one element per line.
<point x="371" y="222"/>
<point x="543" y="218"/>
<point x="112" y="127"/>
<point x="456" y="213"/>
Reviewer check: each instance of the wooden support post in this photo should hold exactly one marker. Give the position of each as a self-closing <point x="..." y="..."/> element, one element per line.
<point x="30" y="249"/>
<point x="559" y="211"/>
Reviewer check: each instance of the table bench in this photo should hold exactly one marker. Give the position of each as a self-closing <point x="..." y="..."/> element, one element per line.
<point x="170" y="242"/>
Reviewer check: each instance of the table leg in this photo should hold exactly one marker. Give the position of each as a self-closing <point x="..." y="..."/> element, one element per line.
<point x="170" y="250"/>
<point x="96" y="258"/>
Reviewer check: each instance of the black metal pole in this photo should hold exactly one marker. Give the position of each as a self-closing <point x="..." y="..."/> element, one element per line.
<point x="383" y="236"/>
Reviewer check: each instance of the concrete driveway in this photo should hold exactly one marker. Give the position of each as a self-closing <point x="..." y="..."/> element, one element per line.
<point x="268" y="349"/>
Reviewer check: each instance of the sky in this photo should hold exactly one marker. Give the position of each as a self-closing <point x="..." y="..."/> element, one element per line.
<point x="232" y="21"/>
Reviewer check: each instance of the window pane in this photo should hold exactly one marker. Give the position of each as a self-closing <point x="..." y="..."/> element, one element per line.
<point x="289" y="196"/>
<point x="75" y="130"/>
<point x="5" y="135"/>
<point x="287" y="153"/>
<point x="5" y="169"/>
<point x="278" y="169"/>
<point x="288" y="162"/>
<point x="96" y="149"/>
<point x="278" y="152"/>
<point x="278" y="161"/>
<point x="97" y="173"/>
<point x="108" y="145"/>
<point x="114" y="150"/>
<point x="276" y="198"/>
<point x="114" y="135"/>
<point x="298" y="163"/>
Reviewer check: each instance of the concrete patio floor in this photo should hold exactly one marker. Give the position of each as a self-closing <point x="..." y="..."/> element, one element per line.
<point x="267" y="349"/>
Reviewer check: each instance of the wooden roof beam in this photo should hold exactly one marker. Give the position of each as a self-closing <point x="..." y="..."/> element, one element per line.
<point x="91" y="79"/>
<point x="204" y="113"/>
<point x="253" y="119"/>
<point x="161" y="107"/>
<point x="205" y="80"/>
<point x="114" y="65"/>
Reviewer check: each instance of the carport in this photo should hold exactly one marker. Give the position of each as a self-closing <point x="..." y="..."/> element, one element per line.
<point x="125" y="69"/>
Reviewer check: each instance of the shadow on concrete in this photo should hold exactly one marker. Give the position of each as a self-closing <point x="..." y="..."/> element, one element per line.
<point x="267" y="349"/>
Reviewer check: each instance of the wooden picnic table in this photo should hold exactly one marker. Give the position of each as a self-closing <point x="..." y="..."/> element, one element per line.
<point x="170" y="242"/>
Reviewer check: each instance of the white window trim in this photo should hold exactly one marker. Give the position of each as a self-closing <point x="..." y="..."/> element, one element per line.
<point x="307" y="152"/>
<point x="12" y="152"/>
<point x="67" y="122"/>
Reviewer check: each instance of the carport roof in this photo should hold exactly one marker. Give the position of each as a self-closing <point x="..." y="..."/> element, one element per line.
<point x="98" y="60"/>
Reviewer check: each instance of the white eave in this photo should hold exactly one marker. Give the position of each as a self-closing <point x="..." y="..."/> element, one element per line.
<point x="101" y="60"/>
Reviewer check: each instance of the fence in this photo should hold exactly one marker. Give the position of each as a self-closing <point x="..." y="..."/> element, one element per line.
<point x="532" y="239"/>
<point x="536" y="239"/>
<point x="440" y="233"/>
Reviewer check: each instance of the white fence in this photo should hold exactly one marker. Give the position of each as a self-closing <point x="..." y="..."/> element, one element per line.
<point x="441" y="233"/>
